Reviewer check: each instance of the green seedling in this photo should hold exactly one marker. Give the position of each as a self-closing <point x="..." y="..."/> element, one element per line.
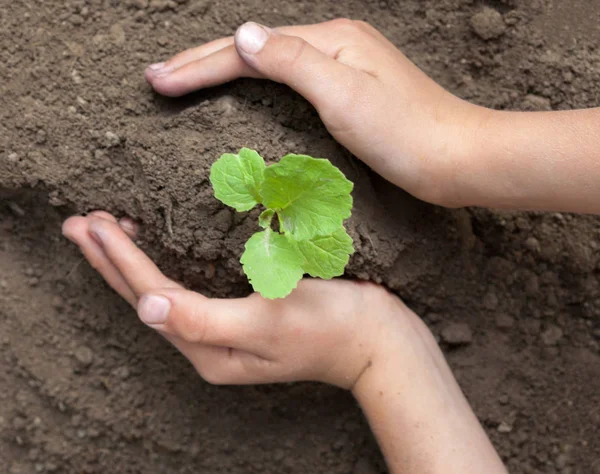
<point x="311" y="199"/>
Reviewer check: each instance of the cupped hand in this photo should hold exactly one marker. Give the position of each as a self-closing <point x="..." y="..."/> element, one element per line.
<point x="325" y="331"/>
<point x="371" y="98"/>
<point x="353" y="335"/>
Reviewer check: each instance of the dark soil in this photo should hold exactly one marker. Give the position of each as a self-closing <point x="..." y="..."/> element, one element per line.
<point x="85" y="388"/>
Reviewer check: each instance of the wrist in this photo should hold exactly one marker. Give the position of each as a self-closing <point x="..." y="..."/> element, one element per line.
<point x="401" y="404"/>
<point x="454" y="180"/>
<point x="416" y="409"/>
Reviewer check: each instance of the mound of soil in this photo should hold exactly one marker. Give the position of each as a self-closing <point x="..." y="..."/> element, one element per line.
<point x="514" y="297"/>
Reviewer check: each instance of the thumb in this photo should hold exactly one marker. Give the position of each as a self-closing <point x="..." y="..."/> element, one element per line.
<point x="237" y="322"/>
<point x="293" y="61"/>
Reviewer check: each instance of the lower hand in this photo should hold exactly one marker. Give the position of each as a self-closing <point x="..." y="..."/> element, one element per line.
<point x="324" y="331"/>
<point x="354" y="335"/>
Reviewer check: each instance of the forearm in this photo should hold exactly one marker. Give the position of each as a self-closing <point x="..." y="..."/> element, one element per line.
<point x="532" y="160"/>
<point x="424" y="426"/>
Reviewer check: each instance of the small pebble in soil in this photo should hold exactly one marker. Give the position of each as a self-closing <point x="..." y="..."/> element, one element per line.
<point x="77" y="79"/>
<point x="111" y="139"/>
<point x="122" y="372"/>
<point x="533" y="103"/>
<point x="532" y="244"/>
<point x="562" y="460"/>
<point x="84" y="356"/>
<point x="504" y="428"/>
<point x="488" y="24"/>
<point x="523" y="224"/>
<point x="568" y="77"/>
<point x="117" y="34"/>
<point x="552" y="335"/>
<point x="223" y="220"/>
<point x="76" y="20"/>
<point x="40" y="137"/>
<point x="456" y="334"/>
<point x="226" y="104"/>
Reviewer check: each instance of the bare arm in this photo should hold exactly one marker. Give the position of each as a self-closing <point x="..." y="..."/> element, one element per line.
<point x="422" y="420"/>
<point x="532" y="160"/>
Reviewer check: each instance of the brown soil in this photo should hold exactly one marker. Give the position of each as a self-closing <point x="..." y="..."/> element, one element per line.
<point x="85" y="388"/>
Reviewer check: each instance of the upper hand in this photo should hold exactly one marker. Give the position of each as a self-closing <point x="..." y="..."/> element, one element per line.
<point x="371" y="98"/>
<point x="325" y="331"/>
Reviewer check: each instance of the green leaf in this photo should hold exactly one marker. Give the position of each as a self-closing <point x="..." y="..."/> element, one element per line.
<point x="311" y="196"/>
<point x="265" y="218"/>
<point x="272" y="263"/>
<point x="236" y="179"/>
<point x="326" y="256"/>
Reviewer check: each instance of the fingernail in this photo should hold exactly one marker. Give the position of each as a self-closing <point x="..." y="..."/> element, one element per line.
<point x="160" y="69"/>
<point x="154" y="309"/>
<point x="251" y="37"/>
<point x="97" y="232"/>
<point x="156" y="66"/>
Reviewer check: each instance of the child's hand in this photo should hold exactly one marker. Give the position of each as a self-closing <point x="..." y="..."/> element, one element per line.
<point x="372" y="99"/>
<point x="406" y="127"/>
<point x="324" y="331"/>
<point x="353" y="335"/>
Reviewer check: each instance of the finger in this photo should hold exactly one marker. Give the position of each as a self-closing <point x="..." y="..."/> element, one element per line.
<point x="327" y="37"/>
<point x="242" y="323"/>
<point x="191" y="54"/>
<point x="217" y="68"/>
<point x="213" y="63"/>
<point x="218" y="364"/>
<point x="293" y="61"/>
<point x="102" y="215"/>
<point x="140" y="273"/>
<point x="130" y="227"/>
<point x="309" y="32"/>
<point x="76" y="230"/>
<point x="227" y="341"/>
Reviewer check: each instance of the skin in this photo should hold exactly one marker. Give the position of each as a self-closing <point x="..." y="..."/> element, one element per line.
<point x="354" y="335"/>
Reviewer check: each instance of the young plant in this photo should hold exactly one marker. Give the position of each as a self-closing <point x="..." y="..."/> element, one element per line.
<point x="311" y="199"/>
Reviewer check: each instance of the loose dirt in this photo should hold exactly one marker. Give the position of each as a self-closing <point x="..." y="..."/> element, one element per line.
<point x="85" y="388"/>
